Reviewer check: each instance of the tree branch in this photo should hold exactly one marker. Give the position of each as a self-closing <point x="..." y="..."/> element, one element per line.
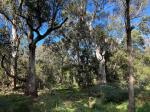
<point x="5" y="16"/>
<point x="8" y="73"/>
<point x="28" y="23"/>
<point x="40" y="37"/>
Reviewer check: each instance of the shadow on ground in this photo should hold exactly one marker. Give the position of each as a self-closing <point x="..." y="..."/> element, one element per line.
<point x="15" y="103"/>
<point x="104" y="99"/>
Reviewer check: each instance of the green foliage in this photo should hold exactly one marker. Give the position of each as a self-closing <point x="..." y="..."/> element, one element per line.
<point x="15" y="103"/>
<point x="39" y="10"/>
<point x="144" y="108"/>
<point x="110" y="93"/>
<point x="141" y="69"/>
<point x="117" y="66"/>
<point x="137" y="39"/>
<point x="144" y="25"/>
<point x="45" y="75"/>
<point x="147" y="60"/>
<point x="74" y="100"/>
<point x="67" y="59"/>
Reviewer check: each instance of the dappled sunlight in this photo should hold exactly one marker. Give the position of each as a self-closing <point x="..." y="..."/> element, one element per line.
<point x="67" y="100"/>
<point x="122" y="107"/>
<point x="74" y="56"/>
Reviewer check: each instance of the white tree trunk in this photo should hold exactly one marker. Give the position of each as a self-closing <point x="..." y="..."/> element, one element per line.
<point x="101" y="58"/>
<point x="14" y="52"/>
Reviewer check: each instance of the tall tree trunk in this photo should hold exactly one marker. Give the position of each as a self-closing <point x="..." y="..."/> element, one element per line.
<point x="79" y="79"/>
<point x="61" y="70"/>
<point x="101" y="71"/>
<point x="14" y="70"/>
<point x="31" y="89"/>
<point x="131" y="105"/>
<point x="31" y="86"/>
<point x="15" y="42"/>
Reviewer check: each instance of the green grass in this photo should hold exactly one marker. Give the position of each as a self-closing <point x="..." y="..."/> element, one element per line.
<point x="14" y="103"/>
<point x="108" y="99"/>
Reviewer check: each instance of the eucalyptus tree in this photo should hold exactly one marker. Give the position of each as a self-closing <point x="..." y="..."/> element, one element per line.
<point x="8" y="11"/>
<point x="102" y="49"/>
<point x="39" y="14"/>
<point x="98" y="35"/>
<point x="130" y="10"/>
<point x="83" y="42"/>
<point x="128" y="16"/>
<point x="77" y="35"/>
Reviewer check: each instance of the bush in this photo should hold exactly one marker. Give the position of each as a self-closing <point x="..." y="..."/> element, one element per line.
<point x="110" y="93"/>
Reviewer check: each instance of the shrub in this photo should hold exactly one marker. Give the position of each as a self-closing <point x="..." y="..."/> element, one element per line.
<point x="110" y="93"/>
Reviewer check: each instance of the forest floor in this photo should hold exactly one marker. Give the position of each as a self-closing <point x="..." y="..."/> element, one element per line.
<point x="98" y="99"/>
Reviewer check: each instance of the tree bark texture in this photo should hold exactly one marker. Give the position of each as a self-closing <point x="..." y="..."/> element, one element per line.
<point x="131" y="105"/>
<point x="31" y="86"/>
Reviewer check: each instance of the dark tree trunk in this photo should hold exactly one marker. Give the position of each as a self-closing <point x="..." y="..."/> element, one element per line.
<point x="131" y="105"/>
<point x="31" y="87"/>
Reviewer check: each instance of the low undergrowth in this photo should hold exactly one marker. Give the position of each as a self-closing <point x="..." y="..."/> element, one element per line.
<point x="98" y="99"/>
